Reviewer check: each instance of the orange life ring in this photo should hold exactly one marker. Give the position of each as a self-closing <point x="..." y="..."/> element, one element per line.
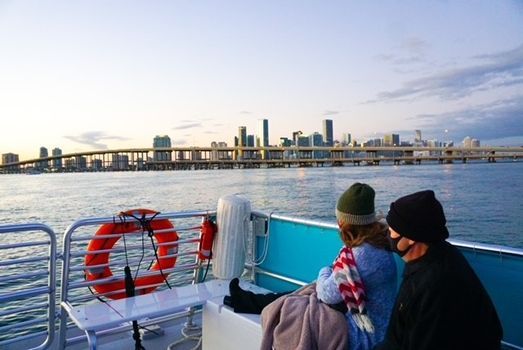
<point x="94" y="258"/>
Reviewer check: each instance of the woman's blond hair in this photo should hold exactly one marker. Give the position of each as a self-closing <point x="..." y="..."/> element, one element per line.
<point x="374" y="234"/>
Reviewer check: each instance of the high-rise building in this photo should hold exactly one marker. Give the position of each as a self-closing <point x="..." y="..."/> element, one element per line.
<point x="391" y="140"/>
<point x="242" y="136"/>
<point x="44" y="164"/>
<point x="162" y="142"/>
<point x="10" y="158"/>
<point x="295" y="136"/>
<point x="160" y="155"/>
<point x="346" y="139"/>
<point x="327" y="132"/>
<point x="262" y="134"/>
<point x="417" y="137"/>
<point x="303" y="141"/>
<point x="57" y="162"/>
<point x="316" y="140"/>
<point x="250" y="140"/>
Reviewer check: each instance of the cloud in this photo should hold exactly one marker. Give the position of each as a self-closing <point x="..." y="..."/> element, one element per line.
<point x="496" y="70"/>
<point x="245" y="112"/>
<point x="410" y="50"/>
<point x="495" y="120"/>
<point x="330" y="112"/>
<point x="188" y="125"/>
<point x="94" y="138"/>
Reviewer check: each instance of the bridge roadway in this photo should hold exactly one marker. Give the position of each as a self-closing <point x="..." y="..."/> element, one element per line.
<point x="186" y="158"/>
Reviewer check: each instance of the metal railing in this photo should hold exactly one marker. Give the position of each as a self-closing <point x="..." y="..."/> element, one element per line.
<point x="134" y="248"/>
<point x="27" y="284"/>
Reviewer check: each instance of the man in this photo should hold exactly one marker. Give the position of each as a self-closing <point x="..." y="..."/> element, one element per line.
<point x="441" y="303"/>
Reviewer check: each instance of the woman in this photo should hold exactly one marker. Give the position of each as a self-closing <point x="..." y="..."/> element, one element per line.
<point x="363" y="276"/>
<point x="362" y="281"/>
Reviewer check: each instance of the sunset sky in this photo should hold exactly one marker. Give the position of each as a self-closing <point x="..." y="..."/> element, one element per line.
<point x="85" y="75"/>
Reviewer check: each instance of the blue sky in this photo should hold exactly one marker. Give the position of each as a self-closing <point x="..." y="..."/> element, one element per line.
<point x="83" y="75"/>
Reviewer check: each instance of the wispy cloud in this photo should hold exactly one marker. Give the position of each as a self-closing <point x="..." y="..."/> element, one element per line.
<point x="94" y="139"/>
<point x="499" y="119"/>
<point x="328" y="112"/>
<point x="496" y="70"/>
<point x="245" y="112"/>
<point x="188" y="125"/>
<point x="411" y="50"/>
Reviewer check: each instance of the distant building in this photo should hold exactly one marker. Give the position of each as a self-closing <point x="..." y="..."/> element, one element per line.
<point x="391" y="140"/>
<point x="417" y="136"/>
<point x="316" y="140"/>
<point x="262" y="134"/>
<point x="44" y="164"/>
<point x="285" y="142"/>
<point x="346" y="139"/>
<point x="327" y="132"/>
<point x="242" y="140"/>
<point x="303" y="141"/>
<point x="120" y="162"/>
<point x="242" y="136"/>
<point x="57" y="162"/>
<point x="10" y="158"/>
<point x="250" y="140"/>
<point x="160" y="142"/>
<point x="295" y="136"/>
<point x="219" y="155"/>
<point x="96" y="164"/>
<point x="81" y="163"/>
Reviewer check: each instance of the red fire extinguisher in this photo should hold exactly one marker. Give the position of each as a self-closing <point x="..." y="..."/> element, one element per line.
<point x="208" y="230"/>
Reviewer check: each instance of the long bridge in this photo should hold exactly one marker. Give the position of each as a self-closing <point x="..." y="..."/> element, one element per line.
<point x="193" y="158"/>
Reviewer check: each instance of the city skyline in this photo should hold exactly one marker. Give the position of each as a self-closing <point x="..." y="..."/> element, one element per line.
<point x="99" y="75"/>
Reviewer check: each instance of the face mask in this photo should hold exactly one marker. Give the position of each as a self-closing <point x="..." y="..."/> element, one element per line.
<point x="394" y="245"/>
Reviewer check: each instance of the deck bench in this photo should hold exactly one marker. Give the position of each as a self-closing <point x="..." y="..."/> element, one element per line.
<point x="94" y="317"/>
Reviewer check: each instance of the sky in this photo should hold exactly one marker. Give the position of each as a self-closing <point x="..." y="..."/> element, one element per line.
<point x="103" y="74"/>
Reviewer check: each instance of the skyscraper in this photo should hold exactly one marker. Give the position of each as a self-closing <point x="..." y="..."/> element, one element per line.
<point x="417" y="137"/>
<point x="347" y="139"/>
<point x="262" y="134"/>
<point x="158" y="142"/>
<point x="242" y="136"/>
<point x="57" y="162"/>
<point x="327" y="132"/>
<point x="44" y="164"/>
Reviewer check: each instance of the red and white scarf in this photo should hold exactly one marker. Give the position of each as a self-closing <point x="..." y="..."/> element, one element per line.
<point x="352" y="289"/>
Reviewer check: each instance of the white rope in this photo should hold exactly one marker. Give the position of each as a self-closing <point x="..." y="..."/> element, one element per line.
<point x="196" y="336"/>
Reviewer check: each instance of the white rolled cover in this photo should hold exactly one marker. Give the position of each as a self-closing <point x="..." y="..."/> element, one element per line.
<point x="232" y="218"/>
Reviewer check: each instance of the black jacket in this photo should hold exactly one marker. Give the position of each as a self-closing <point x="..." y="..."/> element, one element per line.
<point x="442" y="304"/>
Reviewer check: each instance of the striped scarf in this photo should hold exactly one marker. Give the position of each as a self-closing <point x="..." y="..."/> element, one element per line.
<point x="352" y="289"/>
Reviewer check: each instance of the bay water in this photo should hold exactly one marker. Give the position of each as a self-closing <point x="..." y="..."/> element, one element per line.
<point x="483" y="202"/>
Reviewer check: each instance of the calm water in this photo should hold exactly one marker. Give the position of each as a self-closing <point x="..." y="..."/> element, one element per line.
<point x="483" y="202"/>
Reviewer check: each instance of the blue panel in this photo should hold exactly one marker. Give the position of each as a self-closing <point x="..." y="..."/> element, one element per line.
<point x="502" y="276"/>
<point x="298" y="251"/>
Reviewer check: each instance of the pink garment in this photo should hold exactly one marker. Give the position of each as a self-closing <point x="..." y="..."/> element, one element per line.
<point x="301" y="321"/>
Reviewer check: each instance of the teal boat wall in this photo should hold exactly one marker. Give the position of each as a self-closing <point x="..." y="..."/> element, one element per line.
<point x="299" y="250"/>
<point x="502" y="276"/>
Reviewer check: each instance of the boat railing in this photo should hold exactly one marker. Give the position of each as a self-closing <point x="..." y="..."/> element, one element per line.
<point x="27" y="284"/>
<point x="134" y="248"/>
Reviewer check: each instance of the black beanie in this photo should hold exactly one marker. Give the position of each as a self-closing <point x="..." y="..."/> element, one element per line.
<point x="419" y="217"/>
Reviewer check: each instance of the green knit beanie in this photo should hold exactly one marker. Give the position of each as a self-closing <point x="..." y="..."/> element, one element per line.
<point x="356" y="205"/>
